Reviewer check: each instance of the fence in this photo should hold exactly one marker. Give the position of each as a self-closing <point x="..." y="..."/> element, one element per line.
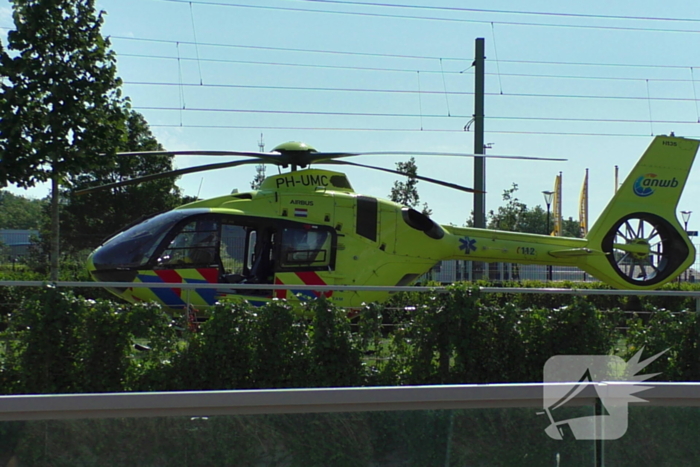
<point x="445" y="425"/>
<point x="321" y="288"/>
<point x="446" y="272"/>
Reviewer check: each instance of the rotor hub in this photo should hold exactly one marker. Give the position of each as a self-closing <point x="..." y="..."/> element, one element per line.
<point x="640" y="248"/>
<point x="294" y="146"/>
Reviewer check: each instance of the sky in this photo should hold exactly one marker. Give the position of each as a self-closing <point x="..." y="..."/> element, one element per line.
<point x="589" y="82"/>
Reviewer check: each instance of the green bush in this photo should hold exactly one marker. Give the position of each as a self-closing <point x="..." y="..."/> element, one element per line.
<point x="56" y="342"/>
<point x="677" y="334"/>
<point x="59" y="343"/>
<point x="456" y="337"/>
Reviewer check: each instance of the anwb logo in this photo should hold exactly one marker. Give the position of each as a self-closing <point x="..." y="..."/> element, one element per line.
<point x="644" y="185"/>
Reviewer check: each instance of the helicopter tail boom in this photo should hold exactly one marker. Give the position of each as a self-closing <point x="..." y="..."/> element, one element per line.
<point x="644" y="244"/>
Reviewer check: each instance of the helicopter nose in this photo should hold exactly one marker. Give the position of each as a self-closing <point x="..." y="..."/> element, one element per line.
<point x="90" y="266"/>
<point x="109" y="275"/>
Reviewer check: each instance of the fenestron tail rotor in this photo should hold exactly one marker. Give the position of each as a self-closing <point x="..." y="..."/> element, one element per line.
<point x="294" y="155"/>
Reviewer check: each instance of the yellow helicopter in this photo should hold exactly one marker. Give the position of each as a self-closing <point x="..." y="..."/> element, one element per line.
<point x="308" y="227"/>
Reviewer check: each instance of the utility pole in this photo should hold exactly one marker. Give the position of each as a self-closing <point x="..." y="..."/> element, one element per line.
<point x="479" y="162"/>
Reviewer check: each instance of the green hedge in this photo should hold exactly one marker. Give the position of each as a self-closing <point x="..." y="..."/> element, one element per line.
<point x="602" y="302"/>
<point x="56" y="342"/>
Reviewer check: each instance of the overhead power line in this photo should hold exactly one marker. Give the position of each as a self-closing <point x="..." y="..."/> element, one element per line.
<point x="406" y="115"/>
<point x="367" y="54"/>
<point x="459" y="20"/>
<point x="296" y="88"/>
<point x="619" y="65"/>
<point x="420" y="115"/>
<point x="405" y="70"/>
<point x="371" y="54"/>
<point x="288" y="64"/>
<point x="401" y="91"/>
<point x="506" y="12"/>
<point x="286" y="49"/>
<point x="601" y="78"/>
<point x="405" y="130"/>
<point x="300" y="112"/>
<point x="442" y="72"/>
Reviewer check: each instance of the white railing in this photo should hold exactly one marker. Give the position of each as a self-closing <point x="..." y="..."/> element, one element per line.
<point x="366" y="288"/>
<point x="288" y="401"/>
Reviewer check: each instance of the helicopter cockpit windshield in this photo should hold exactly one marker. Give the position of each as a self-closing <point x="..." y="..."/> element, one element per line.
<point x="134" y="246"/>
<point x="195" y="243"/>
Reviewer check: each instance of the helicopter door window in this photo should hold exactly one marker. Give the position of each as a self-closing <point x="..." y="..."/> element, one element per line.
<point x="305" y="248"/>
<point x="261" y="262"/>
<point x="232" y="249"/>
<point x="196" y="245"/>
<point x="252" y="241"/>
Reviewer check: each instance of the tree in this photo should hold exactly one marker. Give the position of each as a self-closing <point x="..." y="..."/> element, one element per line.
<point x="570" y="228"/>
<point x="406" y="192"/>
<point x="515" y="216"/>
<point x="18" y="212"/>
<point x="259" y="177"/>
<point x="508" y="217"/>
<point x="60" y="102"/>
<point x="87" y="219"/>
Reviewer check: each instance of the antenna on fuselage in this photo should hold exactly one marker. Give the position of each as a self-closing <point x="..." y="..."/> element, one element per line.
<point x="200" y="187"/>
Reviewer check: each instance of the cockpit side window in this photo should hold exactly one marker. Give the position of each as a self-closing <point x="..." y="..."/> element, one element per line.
<point x="196" y="244"/>
<point x="306" y="248"/>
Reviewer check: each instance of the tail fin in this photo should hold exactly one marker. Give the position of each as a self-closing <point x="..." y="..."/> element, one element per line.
<point x="638" y="231"/>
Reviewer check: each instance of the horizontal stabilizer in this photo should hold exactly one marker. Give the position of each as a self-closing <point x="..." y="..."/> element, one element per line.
<point x="571" y="252"/>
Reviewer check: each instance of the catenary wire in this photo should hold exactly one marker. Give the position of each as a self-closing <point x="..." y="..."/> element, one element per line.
<point x="433" y="18"/>
<point x="392" y="115"/>
<point x="287" y="64"/>
<point x="413" y="70"/>
<point x="403" y="56"/>
<point x="415" y="91"/>
<point x="295" y="88"/>
<point x="507" y="12"/>
<point x="287" y="49"/>
<point x="412" y="130"/>
<point x="370" y="114"/>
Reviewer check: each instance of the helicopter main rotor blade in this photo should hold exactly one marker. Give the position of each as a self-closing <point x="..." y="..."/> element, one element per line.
<point x="173" y="173"/>
<point x="282" y="158"/>
<point x="304" y="158"/>
<point x="453" y="154"/>
<point x="198" y="153"/>
<point x="308" y="156"/>
<point x="265" y="157"/>
<point x="417" y="177"/>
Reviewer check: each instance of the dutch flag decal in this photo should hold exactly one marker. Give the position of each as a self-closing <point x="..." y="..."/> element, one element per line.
<point x="300" y="212"/>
